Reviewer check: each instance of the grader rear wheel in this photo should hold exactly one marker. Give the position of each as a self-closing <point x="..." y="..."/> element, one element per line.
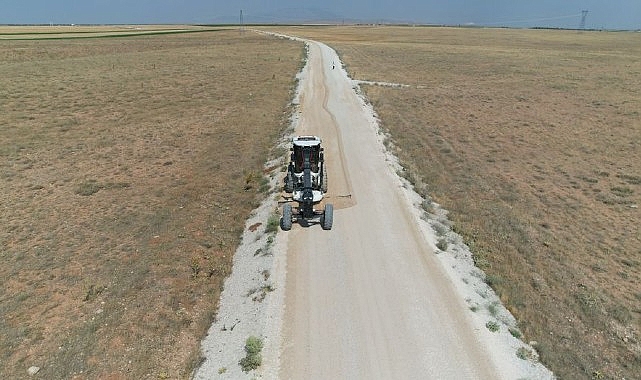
<point x="324" y="181"/>
<point x="289" y="182"/>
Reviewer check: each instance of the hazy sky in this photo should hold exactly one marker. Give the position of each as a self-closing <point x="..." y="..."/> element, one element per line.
<point x="609" y="14"/>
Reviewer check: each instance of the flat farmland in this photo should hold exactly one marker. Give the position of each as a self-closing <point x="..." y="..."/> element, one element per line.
<point x="532" y="140"/>
<point x="39" y="32"/>
<point x="128" y="167"/>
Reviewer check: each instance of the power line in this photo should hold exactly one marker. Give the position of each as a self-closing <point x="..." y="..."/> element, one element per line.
<point x="584" y="14"/>
<point x="525" y="21"/>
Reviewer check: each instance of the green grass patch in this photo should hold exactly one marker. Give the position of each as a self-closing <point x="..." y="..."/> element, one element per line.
<point x="253" y="358"/>
<point x="273" y="222"/>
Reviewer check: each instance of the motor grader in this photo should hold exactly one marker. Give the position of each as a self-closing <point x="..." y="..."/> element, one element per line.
<point x="306" y="181"/>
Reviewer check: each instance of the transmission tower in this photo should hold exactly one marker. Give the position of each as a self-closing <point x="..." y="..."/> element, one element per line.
<point x="584" y="14"/>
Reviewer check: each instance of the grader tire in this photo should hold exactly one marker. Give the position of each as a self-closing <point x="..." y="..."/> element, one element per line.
<point x="328" y="217"/>
<point x="286" y="220"/>
<point x="289" y="182"/>
<point x="324" y="182"/>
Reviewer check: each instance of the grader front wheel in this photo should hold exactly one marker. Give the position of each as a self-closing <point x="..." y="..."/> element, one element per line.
<point x="286" y="220"/>
<point x="328" y="217"/>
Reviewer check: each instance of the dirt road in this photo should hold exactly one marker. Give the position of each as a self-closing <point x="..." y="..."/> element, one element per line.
<point x="367" y="300"/>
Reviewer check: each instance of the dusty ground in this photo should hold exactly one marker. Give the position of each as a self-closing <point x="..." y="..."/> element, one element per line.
<point x="531" y="140"/>
<point x="128" y="168"/>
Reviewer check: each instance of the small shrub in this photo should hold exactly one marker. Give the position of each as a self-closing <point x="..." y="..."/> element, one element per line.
<point x="493" y="326"/>
<point x="545" y="351"/>
<point x="442" y="244"/>
<point x="253" y="345"/>
<point x="23" y="296"/>
<point x="117" y="185"/>
<point x="195" y="266"/>
<point x="622" y="191"/>
<point x="515" y="332"/>
<point x="621" y="313"/>
<point x="250" y="362"/>
<point x="93" y="292"/>
<point x="589" y="301"/>
<point x="427" y="206"/>
<point x="88" y="188"/>
<point x="493" y="280"/>
<point x="250" y="179"/>
<point x="608" y="200"/>
<point x="259" y="294"/>
<point x="253" y="359"/>
<point x="480" y="259"/>
<point x="219" y="269"/>
<point x="493" y="308"/>
<point x="272" y="223"/>
<point x="264" y="185"/>
<point x="589" y="179"/>
<point x="439" y="228"/>
<point x="523" y="353"/>
<point x="631" y="179"/>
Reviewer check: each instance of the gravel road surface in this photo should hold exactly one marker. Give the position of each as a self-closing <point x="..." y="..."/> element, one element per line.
<point x="367" y="300"/>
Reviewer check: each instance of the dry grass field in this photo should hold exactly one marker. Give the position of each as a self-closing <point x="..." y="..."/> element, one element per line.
<point x="128" y="167"/>
<point x="532" y="141"/>
<point x="38" y="32"/>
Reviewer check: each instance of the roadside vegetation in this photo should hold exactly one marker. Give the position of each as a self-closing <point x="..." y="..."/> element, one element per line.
<point x="253" y="359"/>
<point x="128" y="167"/>
<point x="531" y="139"/>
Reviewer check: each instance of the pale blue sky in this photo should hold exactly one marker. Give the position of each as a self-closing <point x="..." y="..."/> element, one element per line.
<point x="608" y="14"/>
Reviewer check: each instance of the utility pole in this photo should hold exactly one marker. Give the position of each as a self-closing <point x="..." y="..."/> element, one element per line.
<point x="584" y="14"/>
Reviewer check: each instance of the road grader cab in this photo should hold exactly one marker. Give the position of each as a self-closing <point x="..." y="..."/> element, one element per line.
<point x="306" y="181"/>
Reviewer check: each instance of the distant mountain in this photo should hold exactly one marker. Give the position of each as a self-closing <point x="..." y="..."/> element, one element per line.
<point x="288" y="16"/>
<point x="295" y="15"/>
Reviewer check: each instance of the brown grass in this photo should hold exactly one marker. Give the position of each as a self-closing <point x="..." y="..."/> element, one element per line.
<point x="532" y="140"/>
<point x="123" y="167"/>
